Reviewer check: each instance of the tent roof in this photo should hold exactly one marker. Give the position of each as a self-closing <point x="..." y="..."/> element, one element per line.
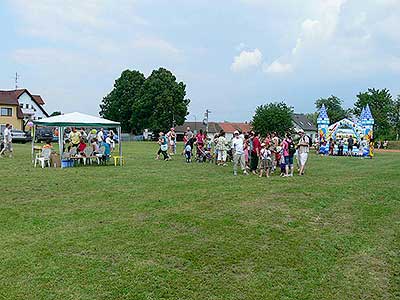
<point x="76" y="119"/>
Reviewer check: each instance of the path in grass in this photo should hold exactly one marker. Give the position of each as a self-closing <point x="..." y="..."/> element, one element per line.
<point x="168" y="230"/>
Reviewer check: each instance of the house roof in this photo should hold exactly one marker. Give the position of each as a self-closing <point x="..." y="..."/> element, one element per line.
<point x="232" y="127"/>
<point x="11" y="98"/>
<point x="38" y="99"/>
<point x="8" y="98"/>
<point x="212" y="127"/>
<point x="303" y="122"/>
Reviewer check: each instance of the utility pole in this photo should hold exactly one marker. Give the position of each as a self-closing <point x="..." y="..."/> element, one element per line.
<point x="16" y="80"/>
<point x="205" y="121"/>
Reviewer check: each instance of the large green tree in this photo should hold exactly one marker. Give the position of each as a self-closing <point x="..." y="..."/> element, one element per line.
<point x="334" y="108"/>
<point x="395" y="117"/>
<point x="161" y="102"/>
<point x="118" y="104"/>
<point x="381" y="105"/>
<point x="273" y="117"/>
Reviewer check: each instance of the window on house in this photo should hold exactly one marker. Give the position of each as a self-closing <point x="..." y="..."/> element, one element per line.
<point x="26" y="105"/>
<point x="6" y="112"/>
<point x="21" y="105"/>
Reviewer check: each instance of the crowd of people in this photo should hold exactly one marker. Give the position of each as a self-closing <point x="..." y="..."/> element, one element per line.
<point x="82" y="139"/>
<point x="248" y="151"/>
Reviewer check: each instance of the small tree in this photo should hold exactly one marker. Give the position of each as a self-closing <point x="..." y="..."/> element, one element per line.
<point x="273" y="117"/>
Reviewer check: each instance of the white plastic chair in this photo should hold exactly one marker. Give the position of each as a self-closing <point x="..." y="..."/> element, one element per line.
<point x="43" y="158"/>
<point x="88" y="155"/>
<point x="100" y="155"/>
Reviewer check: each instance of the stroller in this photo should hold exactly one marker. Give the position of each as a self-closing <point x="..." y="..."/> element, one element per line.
<point x="203" y="155"/>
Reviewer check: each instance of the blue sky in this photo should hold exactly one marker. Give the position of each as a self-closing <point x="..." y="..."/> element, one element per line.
<point x="233" y="55"/>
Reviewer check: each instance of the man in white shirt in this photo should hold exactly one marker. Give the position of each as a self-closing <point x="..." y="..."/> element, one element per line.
<point x="7" y="140"/>
<point x="238" y="154"/>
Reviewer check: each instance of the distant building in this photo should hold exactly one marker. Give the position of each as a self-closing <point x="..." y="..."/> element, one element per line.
<point x="230" y="128"/>
<point x="213" y="128"/>
<point x="17" y="107"/>
<point x="300" y="121"/>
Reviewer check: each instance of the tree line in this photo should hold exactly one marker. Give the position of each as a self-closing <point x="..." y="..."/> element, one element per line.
<point x="156" y="102"/>
<point x="159" y="102"/>
<point x="385" y="110"/>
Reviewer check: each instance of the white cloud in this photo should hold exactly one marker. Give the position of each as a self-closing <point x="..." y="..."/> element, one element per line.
<point x="246" y="60"/>
<point x="278" y="67"/>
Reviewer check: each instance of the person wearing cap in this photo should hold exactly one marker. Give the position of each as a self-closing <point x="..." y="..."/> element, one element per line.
<point x="266" y="163"/>
<point x="303" y="148"/>
<point x="238" y="153"/>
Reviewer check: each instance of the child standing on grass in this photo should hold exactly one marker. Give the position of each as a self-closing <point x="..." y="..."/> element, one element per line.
<point x="188" y="152"/>
<point x="266" y="162"/>
<point x="281" y="160"/>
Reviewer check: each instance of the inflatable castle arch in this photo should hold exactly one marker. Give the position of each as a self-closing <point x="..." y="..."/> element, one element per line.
<point x="361" y="130"/>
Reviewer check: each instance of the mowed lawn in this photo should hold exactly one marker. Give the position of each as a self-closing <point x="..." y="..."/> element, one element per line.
<point x="168" y="230"/>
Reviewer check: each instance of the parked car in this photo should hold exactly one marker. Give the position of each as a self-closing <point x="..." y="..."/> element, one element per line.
<point x="45" y="135"/>
<point x="19" y="136"/>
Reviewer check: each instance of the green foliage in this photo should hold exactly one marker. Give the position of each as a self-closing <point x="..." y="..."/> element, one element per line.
<point x="171" y="230"/>
<point x="157" y="102"/>
<point x="273" y="117"/>
<point x="118" y="104"/>
<point x="55" y="113"/>
<point x="161" y="102"/>
<point x="334" y="108"/>
<point x="381" y="105"/>
<point x="395" y="117"/>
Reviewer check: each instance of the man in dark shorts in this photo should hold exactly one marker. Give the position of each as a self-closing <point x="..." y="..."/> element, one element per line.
<point x="350" y="144"/>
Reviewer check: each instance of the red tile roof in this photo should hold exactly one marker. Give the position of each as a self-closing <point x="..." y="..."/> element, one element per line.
<point x="232" y="127"/>
<point x="38" y="99"/>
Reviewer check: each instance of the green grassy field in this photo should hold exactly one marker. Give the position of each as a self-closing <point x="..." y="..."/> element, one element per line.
<point x="168" y="230"/>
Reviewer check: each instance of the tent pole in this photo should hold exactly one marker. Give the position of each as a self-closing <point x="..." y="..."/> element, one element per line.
<point x="33" y="142"/>
<point x="120" y="145"/>
<point x="61" y="142"/>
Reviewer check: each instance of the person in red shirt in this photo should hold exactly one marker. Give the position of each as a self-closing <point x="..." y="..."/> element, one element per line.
<point x="81" y="146"/>
<point x="255" y="153"/>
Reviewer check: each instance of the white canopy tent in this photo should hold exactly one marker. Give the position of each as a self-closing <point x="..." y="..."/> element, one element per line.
<point x="75" y="119"/>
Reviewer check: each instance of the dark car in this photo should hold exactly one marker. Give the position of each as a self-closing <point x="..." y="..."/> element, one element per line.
<point x="45" y="135"/>
<point x="19" y="136"/>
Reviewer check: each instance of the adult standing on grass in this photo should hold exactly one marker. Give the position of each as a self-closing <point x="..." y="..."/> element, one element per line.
<point x="303" y="150"/>
<point x="172" y="141"/>
<point x="350" y="145"/>
<point x="255" y="153"/>
<point x="238" y="153"/>
<point x="163" y="142"/>
<point x="7" y="141"/>
<point x="288" y="152"/>
<point x="221" y="148"/>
